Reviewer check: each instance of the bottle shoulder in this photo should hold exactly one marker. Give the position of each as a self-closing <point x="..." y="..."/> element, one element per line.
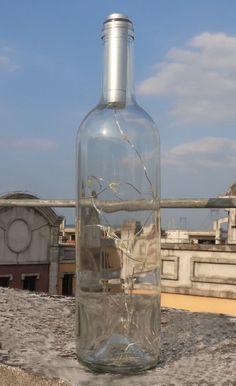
<point x="104" y="119"/>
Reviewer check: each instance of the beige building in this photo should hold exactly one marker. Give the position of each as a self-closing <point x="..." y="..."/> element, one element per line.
<point x="29" y="248"/>
<point x="197" y="262"/>
<point x="37" y="252"/>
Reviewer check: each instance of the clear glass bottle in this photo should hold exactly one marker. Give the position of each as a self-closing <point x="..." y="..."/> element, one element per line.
<point x="118" y="222"/>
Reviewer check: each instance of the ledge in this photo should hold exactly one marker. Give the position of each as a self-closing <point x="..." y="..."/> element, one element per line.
<point x="182" y="290"/>
<point x="37" y="336"/>
<point x="199" y="247"/>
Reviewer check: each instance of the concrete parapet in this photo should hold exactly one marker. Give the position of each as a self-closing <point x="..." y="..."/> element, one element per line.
<point x="206" y="270"/>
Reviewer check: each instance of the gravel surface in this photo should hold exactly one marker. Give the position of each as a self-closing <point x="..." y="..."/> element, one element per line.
<point x="12" y="376"/>
<point x="37" y="335"/>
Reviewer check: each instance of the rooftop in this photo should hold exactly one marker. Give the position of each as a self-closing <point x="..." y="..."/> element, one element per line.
<point x="37" y="335"/>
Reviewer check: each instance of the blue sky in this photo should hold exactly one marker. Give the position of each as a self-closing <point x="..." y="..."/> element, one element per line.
<point x="50" y="77"/>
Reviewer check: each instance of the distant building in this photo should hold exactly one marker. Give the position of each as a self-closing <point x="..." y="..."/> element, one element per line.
<point x="37" y="252"/>
<point x="222" y="232"/>
<point x="66" y="269"/>
<point x="202" y="262"/>
<point x="197" y="262"/>
<point x="187" y="236"/>
<point x="229" y="220"/>
<point x="29" y="248"/>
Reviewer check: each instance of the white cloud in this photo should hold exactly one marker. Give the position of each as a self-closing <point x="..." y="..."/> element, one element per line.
<point x="6" y="64"/>
<point x="206" y="152"/>
<point x="200" y="79"/>
<point x="29" y="144"/>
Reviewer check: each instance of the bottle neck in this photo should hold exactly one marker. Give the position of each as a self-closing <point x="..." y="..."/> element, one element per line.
<point x="118" y="80"/>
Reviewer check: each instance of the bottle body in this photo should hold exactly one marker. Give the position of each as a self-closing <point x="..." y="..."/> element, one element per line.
<point x="118" y="227"/>
<point x="118" y="248"/>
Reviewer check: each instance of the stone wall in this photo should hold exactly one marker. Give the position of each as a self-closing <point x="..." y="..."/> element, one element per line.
<point x="18" y="272"/>
<point x="206" y="270"/>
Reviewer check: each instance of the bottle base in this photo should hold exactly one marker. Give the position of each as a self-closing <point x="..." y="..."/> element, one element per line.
<point x="114" y="369"/>
<point x="119" y="355"/>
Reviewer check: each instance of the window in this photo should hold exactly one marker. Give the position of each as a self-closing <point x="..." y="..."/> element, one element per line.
<point x="5" y="281"/>
<point x="105" y="262"/>
<point x="29" y="283"/>
<point x="67" y="284"/>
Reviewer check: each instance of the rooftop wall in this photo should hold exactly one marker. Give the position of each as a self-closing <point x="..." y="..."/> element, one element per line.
<point x="206" y="270"/>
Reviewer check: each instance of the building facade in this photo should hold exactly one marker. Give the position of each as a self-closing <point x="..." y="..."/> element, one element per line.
<point x="29" y="248"/>
<point x="37" y="252"/>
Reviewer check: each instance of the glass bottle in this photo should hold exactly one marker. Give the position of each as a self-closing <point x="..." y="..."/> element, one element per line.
<point x="118" y="222"/>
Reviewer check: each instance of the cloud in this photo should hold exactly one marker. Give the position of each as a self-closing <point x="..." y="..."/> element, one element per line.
<point x="200" y="79"/>
<point x="218" y="152"/>
<point x="29" y="144"/>
<point x="7" y="65"/>
<point x="6" y="62"/>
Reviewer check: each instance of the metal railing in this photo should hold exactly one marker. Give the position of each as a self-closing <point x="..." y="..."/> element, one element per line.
<point x="218" y="202"/>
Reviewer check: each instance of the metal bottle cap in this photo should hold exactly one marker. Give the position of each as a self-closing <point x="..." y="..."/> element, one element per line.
<point x="118" y="21"/>
<point x="117" y="29"/>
